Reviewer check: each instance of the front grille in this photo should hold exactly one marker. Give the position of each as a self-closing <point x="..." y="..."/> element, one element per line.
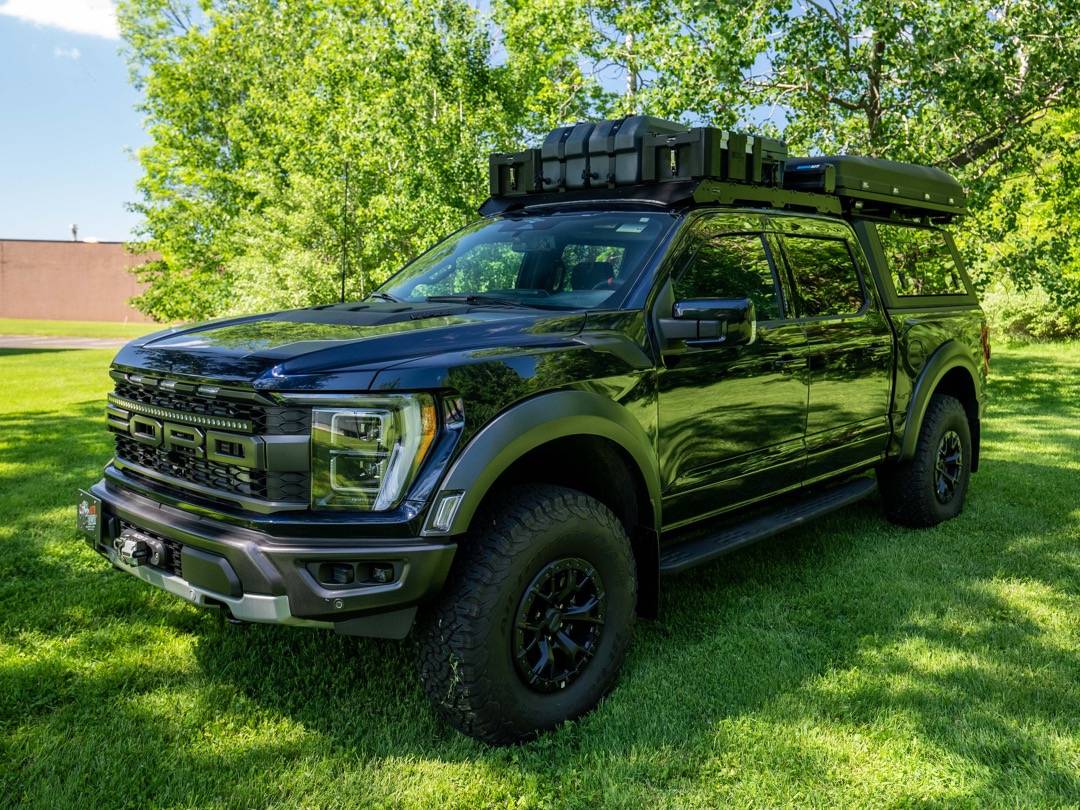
<point x="188" y="472"/>
<point x="221" y="477"/>
<point x="268" y="419"/>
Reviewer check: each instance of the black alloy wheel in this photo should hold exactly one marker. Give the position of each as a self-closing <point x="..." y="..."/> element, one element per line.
<point x="560" y="622"/>
<point x="931" y="486"/>
<point x="949" y="466"/>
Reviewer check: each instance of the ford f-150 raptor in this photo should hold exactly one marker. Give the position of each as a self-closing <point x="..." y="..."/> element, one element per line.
<point x="658" y="345"/>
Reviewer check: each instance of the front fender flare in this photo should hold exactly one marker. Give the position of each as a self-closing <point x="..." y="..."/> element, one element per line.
<point x="535" y="422"/>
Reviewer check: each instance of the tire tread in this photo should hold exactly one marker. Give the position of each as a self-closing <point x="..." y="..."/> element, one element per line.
<point x="907" y="499"/>
<point x="451" y="653"/>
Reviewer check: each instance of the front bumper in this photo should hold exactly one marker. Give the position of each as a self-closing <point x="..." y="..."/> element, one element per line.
<point x="368" y="587"/>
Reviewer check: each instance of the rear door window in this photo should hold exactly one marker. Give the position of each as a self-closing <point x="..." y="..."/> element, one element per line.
<point x="825" y="276"/>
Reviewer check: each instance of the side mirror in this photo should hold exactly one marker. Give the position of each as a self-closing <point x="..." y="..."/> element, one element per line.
<point x="712" y="322"/>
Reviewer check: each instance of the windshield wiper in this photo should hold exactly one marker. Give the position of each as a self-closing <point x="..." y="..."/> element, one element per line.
<point x="393" y="299"/>
<point x="473" y="298"/>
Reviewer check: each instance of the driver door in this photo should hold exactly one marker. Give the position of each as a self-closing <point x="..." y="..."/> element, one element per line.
<point x="732" y="418"/>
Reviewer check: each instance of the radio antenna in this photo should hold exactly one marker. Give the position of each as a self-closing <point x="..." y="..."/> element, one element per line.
<point x="344" y="230"/>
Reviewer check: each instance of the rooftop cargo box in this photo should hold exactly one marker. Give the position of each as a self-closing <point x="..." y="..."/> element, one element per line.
<point x="617" y="148"/>
<point x="716" y="154"/>
<point x="632" y="151"/>
<point x="565" y="156"/>
<point x="876" y="186"/>
<point x="513" y="173"/>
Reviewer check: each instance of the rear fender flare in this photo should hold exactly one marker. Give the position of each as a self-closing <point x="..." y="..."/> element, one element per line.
<point x="950" y="355"/>
<point x="535" y="422"/>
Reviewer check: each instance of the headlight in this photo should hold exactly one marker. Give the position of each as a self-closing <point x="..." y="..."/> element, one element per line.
<point x="365" y="456"/>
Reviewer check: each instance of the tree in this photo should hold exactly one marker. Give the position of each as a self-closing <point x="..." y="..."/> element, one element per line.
<point x="960" y="84"/>
<point x="258" y="108"/>
<point x="191" y="195"/>
<point x="950" y="82"/>
<point x="683" y="59"/>
<point x="1022" y="248"/>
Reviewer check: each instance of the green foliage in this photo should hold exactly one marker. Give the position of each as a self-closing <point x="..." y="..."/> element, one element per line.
<point x="682" y="59"/>
<point x="1028" y="315"/>
<point x="1022" y="245"/>
<point x="193" y="81"/>
<point x="955" y="83"/>
<point x="257" y="108"/>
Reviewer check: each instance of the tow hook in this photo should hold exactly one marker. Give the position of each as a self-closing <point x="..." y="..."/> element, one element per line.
<point x="136" y="549"/>
<point x="132" y="552"/>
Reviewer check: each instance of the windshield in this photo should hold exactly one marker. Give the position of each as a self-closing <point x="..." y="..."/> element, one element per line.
<point x="580" y="260"/>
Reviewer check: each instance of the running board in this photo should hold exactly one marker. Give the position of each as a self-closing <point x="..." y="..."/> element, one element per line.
<point x="704" y="549"/>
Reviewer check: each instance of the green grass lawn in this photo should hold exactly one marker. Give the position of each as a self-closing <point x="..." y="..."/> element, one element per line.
<point x="847" y="664"/>
<point x="88" y="329"/>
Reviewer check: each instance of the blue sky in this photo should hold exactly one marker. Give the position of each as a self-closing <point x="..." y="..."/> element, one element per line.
<point x="67" y="122"/>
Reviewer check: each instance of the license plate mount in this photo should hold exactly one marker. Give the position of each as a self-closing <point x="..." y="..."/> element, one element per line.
<point x="88" y="518"/>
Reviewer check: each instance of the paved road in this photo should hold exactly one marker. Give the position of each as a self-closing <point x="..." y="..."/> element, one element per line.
<point x="38" y="342"/>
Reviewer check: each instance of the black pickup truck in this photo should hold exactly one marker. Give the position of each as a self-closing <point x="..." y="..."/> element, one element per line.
<point x="657" y="346"/>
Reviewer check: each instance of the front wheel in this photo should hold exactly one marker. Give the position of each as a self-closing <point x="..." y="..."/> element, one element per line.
<point x="535" y="620"/>
<point x="931" y="486"/>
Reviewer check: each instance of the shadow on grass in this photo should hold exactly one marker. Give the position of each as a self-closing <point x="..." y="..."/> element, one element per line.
<point x="815" y="627"/>
<point x="45" y="457"/>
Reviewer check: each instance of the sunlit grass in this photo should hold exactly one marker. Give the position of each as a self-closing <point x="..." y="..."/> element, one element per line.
<point x="847" y="664"/>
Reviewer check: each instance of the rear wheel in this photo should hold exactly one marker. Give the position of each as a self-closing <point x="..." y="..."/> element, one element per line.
<point x="535" y="620"/>
<point x="931" y="486"/>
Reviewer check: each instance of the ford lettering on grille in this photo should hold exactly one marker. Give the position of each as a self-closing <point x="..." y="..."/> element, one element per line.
<point x="182" y="437"/>
<point x="225" y="447"/>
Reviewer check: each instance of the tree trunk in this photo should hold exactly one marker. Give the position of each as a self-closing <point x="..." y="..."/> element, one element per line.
<point x="873" y="96"/>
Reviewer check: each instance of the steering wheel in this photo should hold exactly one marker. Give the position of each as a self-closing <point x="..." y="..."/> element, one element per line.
<point x="558" y="268"/>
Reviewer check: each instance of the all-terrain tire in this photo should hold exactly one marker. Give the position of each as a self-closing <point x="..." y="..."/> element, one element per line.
<point x="931" y="486"/>
<point x="535" y="619"/>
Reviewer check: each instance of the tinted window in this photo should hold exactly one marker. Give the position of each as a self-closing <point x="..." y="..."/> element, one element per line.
<point x="552" y="261"/>
<point x="492" y="266"/>
<point x="731" y="266"/>
<point x="920" y="262"/>
<point x="825" y="275"/>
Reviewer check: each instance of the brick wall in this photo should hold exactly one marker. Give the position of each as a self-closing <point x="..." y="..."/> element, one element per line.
<point x="68" y="281"/>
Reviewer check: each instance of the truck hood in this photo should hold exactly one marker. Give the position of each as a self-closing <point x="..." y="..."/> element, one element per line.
<point x="302" y="349"/>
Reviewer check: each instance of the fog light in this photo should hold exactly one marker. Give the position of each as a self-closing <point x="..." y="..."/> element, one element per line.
<point x="341" y="574"/>
<point x="382" y="573"/>
<point x="334" y="573"/>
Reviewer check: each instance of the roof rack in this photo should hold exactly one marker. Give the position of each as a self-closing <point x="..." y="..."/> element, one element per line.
<point x="647" y="160"/>
<point x="682" y="193"/>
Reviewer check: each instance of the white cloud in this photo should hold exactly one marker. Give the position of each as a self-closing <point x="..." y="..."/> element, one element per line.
<point x="66" y="53"/>
<point x="96" y="18"/>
